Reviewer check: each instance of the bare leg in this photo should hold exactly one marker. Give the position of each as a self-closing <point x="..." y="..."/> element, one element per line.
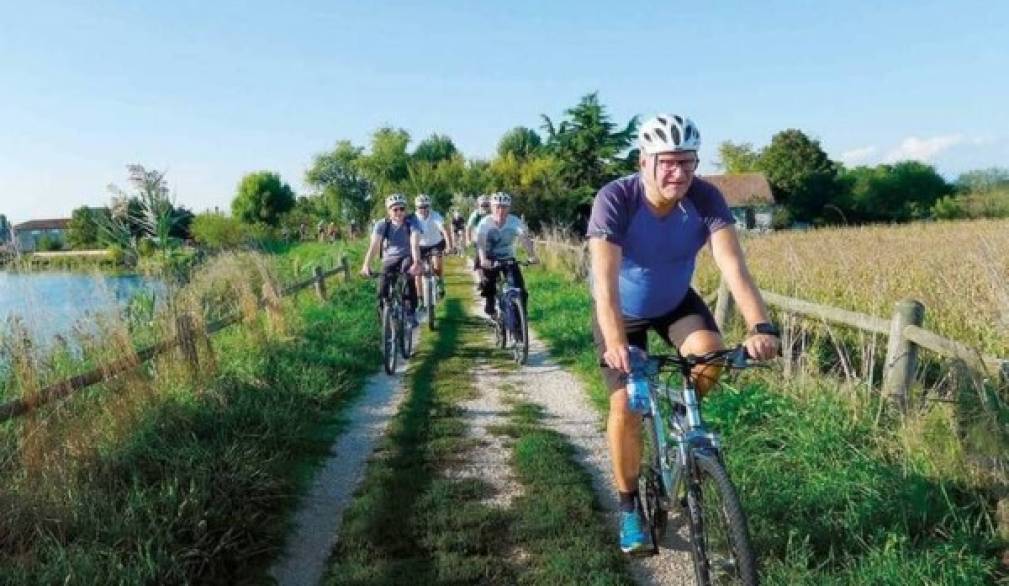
<point x="623" y="429"/>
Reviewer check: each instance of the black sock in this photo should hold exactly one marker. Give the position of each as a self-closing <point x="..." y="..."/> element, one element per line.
<point x="628" y="501"/>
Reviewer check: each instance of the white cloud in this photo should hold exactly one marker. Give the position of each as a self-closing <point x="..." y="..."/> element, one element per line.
<point x="923" y="149"/>
<point x="853" y="157"/>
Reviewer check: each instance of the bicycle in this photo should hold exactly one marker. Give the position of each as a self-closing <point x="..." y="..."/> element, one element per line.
<point x="397" y="331"/>
<point x="685" y="467"/>
<point x="430" y="287"/>
<point x="458" y="246"/>
<point x="510" y="322"/>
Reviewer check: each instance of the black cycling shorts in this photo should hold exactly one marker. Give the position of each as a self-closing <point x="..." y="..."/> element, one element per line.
<point x="426" y="250"/>
<point x="637" y="332"/>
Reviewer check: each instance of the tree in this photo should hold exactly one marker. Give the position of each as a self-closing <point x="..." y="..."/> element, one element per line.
<point x="520" y="142"/>
<point x="588" y="146"/>
<point x="5" y="229"/>
<point x="261" y="199"/>
<point x="895" y="193"/>
<point x="386" y="166"/>
<point x="345" y="192"/>
<point x="738" y="158"/>
<point x="83" y="232"/>
<point x="435" y="149"/>
<point x="984" y="179"/>
<point x="802" y="177"/>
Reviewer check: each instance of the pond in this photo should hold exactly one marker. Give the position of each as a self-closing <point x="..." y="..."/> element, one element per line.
<point x="49" y="303"/>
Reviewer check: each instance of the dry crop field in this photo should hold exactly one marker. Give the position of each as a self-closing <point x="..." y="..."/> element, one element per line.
<point x="959" y="270"/>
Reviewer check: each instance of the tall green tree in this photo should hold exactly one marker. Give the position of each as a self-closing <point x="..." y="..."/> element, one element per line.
<point x="738" y="158"/>
<point x="83" y="232"/>
<point x="894" y="193"/>
<point x="520" y="142"/>
<point x="589" y="146"/>
<point x="802" y="176"/>
<point x="387" y="165"/>
<point x="435" y="149"/>
<point x="345" y="192"/>
<point x="262" y="198"/>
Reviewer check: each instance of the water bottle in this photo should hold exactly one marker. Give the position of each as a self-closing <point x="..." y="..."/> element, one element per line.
<point x="637" y="382"/>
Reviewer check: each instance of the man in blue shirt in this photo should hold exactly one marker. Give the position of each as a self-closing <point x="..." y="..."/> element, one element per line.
<point x="644" y="235"/>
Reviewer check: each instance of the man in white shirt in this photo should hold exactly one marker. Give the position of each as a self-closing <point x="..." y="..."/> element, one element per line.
<point x="434" y="238"/>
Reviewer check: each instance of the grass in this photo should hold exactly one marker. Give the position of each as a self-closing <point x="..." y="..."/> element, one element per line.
<point x="411" y="523"/>
<point x="833" y="491"/>
<point x="162" y="477"/>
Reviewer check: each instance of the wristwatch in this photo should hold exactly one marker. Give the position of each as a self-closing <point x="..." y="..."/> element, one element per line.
<point x="765" y="328"/>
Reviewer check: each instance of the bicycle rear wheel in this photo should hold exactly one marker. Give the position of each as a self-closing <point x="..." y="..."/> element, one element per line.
<point x="389" y="355"/>
<point x="720" y="540"/>
<point x="520" y="331"/>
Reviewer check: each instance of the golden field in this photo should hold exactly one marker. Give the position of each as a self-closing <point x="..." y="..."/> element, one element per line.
<point x="958" y="270"/>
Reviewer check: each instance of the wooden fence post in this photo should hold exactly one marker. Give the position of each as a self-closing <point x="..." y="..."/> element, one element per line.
<point x="901" y="353"/>
<point x="723" y="305"/>
<point x="320" y="283"/>
<point x="185" y="337"/>
<point x="345" y="265"/>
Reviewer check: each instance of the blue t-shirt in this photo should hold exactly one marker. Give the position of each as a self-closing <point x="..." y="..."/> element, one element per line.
<point x="658" y="254"/>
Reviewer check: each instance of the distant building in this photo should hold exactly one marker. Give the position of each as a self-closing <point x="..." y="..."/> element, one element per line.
<point x="29" y="235"/>
<point x="749" y="197"/>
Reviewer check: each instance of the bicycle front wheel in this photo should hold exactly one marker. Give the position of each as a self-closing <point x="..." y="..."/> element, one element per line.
<point x="720" y="540"/>
<point x="429" y="301"/>
<point x="405" y="330"/>
<point x="520" y="332"/>
<point x="389" y="355"/>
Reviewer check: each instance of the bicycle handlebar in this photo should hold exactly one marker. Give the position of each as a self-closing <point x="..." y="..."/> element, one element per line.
<point x="511" y="261"/>
<point x="736" y="358"/>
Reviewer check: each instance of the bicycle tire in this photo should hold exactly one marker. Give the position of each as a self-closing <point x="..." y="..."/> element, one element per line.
<point x="739" y="566"/>
<point x="429" y="301"/>
<point x="520" y="331"/>
<point x="649" y="487"/>
<point x="389" y="350"/>
<point x="405" y="334"/>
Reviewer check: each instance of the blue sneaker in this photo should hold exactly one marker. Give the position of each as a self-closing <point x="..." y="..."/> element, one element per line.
<point x="632" y="535"/>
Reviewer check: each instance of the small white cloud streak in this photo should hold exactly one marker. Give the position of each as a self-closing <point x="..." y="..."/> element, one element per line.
<point x="853" y="157"/>
<point x="913" y="148"/>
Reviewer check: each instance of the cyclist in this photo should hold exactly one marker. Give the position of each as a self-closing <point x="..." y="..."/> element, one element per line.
<point x="433" y="237"/>
<point x="644" y="234"/>
<point x="396" y="239"/>
<point x="458" y="227"/>
<point x="496" y="235"/>
<point x="481" y="211"/>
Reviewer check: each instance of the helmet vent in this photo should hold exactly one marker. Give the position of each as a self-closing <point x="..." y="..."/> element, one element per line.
<point x="676" y="134"/>
<point x="678" y="119"/>
<point x="661" y="120"/>
<point x="661" y="134"/>
<point x="648" y="136"/>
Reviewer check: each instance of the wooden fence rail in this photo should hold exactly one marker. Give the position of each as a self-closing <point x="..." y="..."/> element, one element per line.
<point x="183" y="339"/>
<point x="903" y="329"/>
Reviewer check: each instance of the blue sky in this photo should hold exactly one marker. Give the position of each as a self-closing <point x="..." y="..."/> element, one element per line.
<point x="212" y="90"/>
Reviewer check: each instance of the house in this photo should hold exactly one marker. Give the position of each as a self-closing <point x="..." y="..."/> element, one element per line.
<point x="749" y="198"/>
<point x="28" y="236"/>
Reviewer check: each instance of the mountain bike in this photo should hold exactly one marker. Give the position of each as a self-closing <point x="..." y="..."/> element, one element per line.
<point x="511" y="325"/>
<point x="429" y="286"/>
<point x="397" y="331"/>
<point x="458" y="245"/>
<point x="685" y="468"/>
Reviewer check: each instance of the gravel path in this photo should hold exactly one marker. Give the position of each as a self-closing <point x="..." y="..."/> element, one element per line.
<point x="490" y="459"/>
<point x="321" y="511"/>
<point x="570" y="413"/>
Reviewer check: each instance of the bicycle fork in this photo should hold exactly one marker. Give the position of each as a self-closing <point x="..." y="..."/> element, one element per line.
<point x="685" y="438"/>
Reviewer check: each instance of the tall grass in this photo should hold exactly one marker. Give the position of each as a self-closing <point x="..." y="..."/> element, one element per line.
<point x="159" y="476"/>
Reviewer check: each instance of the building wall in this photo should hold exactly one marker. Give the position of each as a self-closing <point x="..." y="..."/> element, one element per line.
<point x="28" y="240"/>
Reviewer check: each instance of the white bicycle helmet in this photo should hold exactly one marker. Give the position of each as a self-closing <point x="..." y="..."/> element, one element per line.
<point x="422" y="200"/>
<point x="483" y="200"/>
<point x="668" y="133"/>
<point x="395" y="199"/>
<point x="501" y="199"/>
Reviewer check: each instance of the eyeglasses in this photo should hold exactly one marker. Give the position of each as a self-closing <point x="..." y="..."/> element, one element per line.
<point x="423" y="207"/>
<point x="682" y="164"/>
<point x="485" y="205"/>
<point x="398" y="209"/>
